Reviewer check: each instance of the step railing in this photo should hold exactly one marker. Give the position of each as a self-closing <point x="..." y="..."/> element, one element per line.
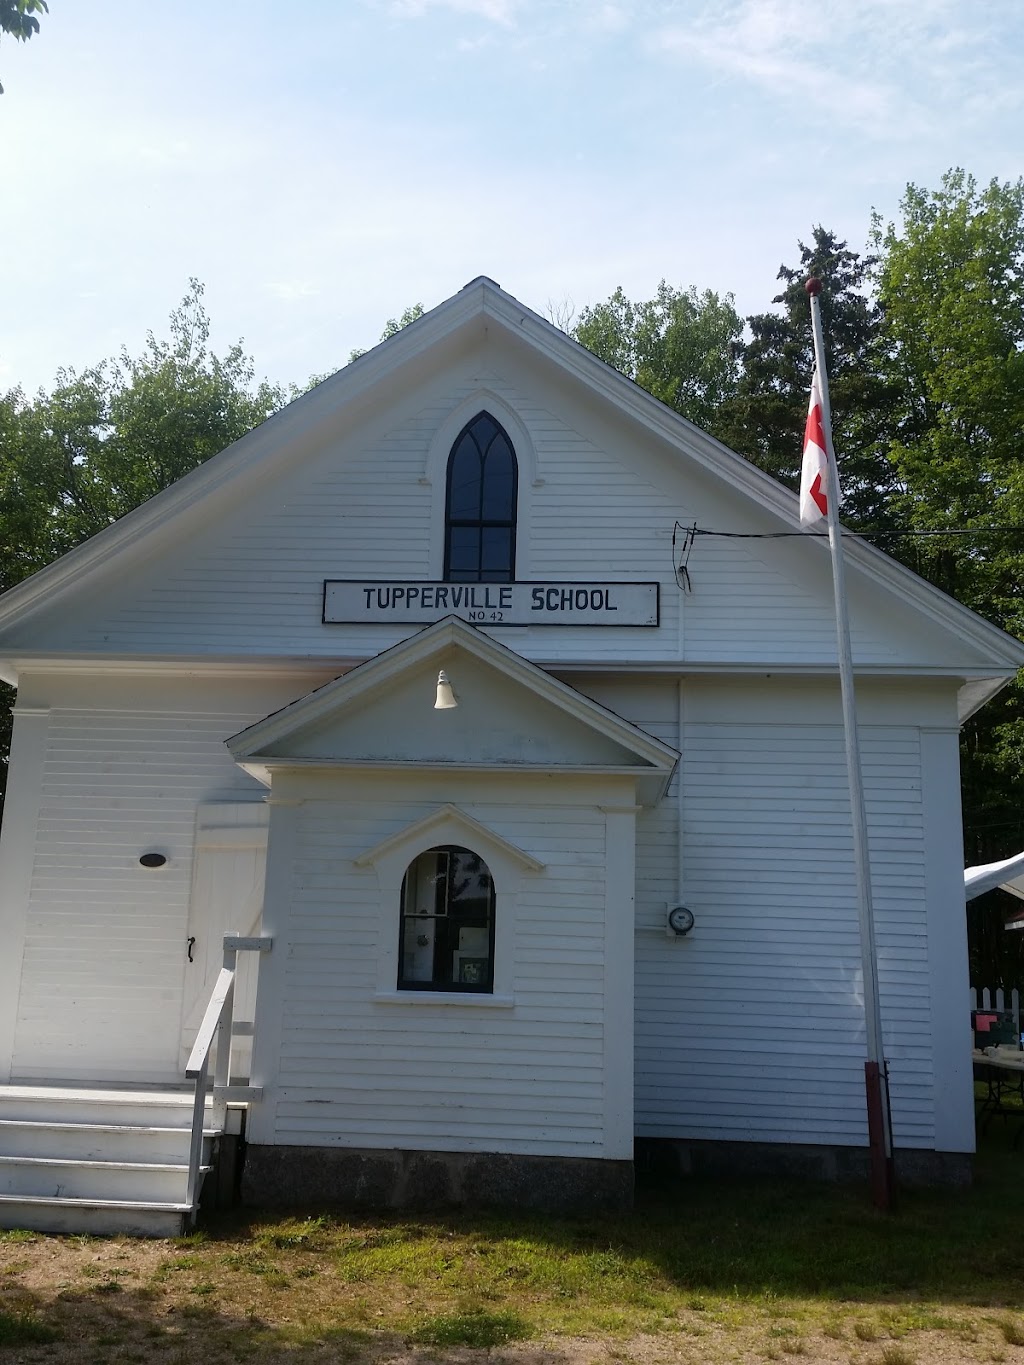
<point x="218" y="1024"/>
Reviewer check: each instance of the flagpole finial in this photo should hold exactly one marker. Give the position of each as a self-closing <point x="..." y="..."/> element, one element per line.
<point x="813" y="286"/>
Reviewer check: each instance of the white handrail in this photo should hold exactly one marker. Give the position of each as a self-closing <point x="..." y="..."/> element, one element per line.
<point x="200" y="1053"/>
<point x="218" y="1022"/>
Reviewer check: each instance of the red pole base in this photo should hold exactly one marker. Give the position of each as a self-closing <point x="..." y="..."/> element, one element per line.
<point x="879" y="1140"/>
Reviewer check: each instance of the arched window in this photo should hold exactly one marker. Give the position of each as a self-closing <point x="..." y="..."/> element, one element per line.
<point x="446" y="938"/>
<point x="480" y="520"/>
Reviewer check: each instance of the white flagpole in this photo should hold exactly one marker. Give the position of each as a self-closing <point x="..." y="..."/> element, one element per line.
<point x="876" y="1076"/>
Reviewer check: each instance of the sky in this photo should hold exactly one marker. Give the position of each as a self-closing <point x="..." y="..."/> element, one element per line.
<point x="320" y="167"/>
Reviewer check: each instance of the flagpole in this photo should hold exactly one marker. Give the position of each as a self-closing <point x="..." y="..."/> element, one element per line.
<point x="876" y="1079"/>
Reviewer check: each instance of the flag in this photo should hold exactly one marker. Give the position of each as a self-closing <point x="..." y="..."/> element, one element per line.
<point x="814" y="476"/>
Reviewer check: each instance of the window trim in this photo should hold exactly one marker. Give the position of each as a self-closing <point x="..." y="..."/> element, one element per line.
<point x="481" y="397"/>
<point x="481" y="523"/>
<point x="512" y="869"/>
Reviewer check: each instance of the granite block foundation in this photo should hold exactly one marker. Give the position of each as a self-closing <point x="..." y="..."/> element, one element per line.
<point x="374" y="1179"/>
<point x="684" y="1157"/>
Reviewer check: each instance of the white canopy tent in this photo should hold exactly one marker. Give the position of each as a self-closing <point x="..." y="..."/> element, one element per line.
<point x="1008" y="875"/>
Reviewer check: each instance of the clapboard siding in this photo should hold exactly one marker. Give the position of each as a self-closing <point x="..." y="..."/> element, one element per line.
<point x="105" y="939"/>
<point x="361" y="507"/>
<point x="652" y="704"/>
<point x="351" y="1070"/>
<point x="366" y="512"/>
<point x="753" y="1028"/>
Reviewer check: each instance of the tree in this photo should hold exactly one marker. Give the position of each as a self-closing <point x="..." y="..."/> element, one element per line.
<point x="681" y="346"/>
<point x="17" y="19"/>
<point x="391" y="327"/>
<point x="102" y="442"/>
<point x="950" y="280"/>
<point x="75" y="459"/>
<point x="765" y="419"/>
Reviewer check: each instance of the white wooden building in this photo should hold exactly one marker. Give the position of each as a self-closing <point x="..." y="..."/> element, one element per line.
<point x="226" y="724"/>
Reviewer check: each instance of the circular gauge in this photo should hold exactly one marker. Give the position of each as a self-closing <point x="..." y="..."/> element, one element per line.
<point x="680" y="920"/>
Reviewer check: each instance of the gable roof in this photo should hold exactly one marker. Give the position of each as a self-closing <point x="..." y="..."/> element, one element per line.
<point x="270" y="741"/>
<point x="455" y="324"/>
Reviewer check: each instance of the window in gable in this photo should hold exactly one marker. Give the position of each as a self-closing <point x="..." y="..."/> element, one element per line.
<point x="480" y="519"/>
<point x="446" y="940"/>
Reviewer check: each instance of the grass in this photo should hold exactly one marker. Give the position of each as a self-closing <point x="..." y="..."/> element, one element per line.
<point x="711" y="1268"/>
<point x="25" y="1329"/>
<point x="479" y="1329"/>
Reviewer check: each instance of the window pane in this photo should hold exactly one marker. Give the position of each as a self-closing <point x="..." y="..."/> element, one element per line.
<point x="484" y="428"/>
<point x="499" y="482"/>
<point x="464" y="551"/>
<point x="446" y="938"/>
<point x="464" y="482"/>
<point x="496" y="552"/>
<point x="482" y="475"/>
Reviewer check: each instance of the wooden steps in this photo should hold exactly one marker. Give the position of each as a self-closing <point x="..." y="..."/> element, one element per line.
<point x="98" y="1160"/>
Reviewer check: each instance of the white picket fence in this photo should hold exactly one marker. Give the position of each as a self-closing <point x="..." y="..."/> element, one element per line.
<point x="984" y="999"/>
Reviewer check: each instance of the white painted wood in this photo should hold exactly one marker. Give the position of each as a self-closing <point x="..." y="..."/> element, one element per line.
<point x="210" y="1022"/>
<point x="114" y="933"/>
<point x="399" y="397"/>
<point x="620" y="886"/>
<point x="93" y="1217"/>
<point x="446" y="825"/>
<point x="282" y="846"/>
<point x="752" y="1027"/>
<point x="17" y="851"/>
<point x="355" y="506"/>
<point x="141" y="654"/>
<point x="226" y="898"/>
<point x="95" y="1160"/>
<point x="349" y="1068"/>
<point x="947" y="940"/>
<point x="95" y="1141"/>
<point x="392" y="857"/>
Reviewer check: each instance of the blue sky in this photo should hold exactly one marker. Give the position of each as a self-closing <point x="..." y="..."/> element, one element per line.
<point x="321" y="166"/>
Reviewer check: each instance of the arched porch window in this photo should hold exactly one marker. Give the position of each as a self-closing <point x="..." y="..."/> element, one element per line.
<point x="446" y="938"/>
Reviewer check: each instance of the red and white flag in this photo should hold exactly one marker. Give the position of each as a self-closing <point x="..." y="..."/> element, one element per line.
<point x="814" y="476"/>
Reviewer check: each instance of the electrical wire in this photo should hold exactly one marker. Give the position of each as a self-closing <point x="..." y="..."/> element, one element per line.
<point x="685" y="537"/>
<point x="857" y="535"/>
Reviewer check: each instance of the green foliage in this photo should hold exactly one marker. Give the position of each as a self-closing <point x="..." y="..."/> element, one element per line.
<point x="102" y="442"/>
<point x="681" y="346"/>
<point x="17" y="19"/>
<point x="765" y="420"/>
<point x="480" y="1329"/>
<point x="99" y="443"/>
<point x="25" y="1329"/>
<point x="950" y="281"/>
<point x="391" y="328"/>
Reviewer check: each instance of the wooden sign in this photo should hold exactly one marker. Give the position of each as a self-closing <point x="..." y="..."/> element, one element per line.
<point x="357" y="602"/>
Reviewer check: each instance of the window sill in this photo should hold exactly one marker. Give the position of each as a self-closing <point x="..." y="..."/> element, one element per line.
<point x="469" y="998"/>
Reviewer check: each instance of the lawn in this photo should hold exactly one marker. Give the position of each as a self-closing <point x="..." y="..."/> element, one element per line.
<point x="704" y="1271"/>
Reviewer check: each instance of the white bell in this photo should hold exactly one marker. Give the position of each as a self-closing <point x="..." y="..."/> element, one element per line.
<point x="445" y="696"/>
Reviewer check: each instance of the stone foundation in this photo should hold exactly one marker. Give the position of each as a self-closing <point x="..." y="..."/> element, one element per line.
<point x="684" y="1157"/>
<point x="372" y="1179"/>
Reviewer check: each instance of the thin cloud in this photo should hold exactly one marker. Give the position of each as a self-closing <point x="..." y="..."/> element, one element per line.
<point x="502" y="12"/>
<point x="291" y="290"/>
<point x="855" y="64"/>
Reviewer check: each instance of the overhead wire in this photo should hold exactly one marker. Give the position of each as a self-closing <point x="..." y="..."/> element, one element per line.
<point x="685" y="537"/>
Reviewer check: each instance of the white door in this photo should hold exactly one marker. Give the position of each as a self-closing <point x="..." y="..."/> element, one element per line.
<point x="227" y="898"/>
